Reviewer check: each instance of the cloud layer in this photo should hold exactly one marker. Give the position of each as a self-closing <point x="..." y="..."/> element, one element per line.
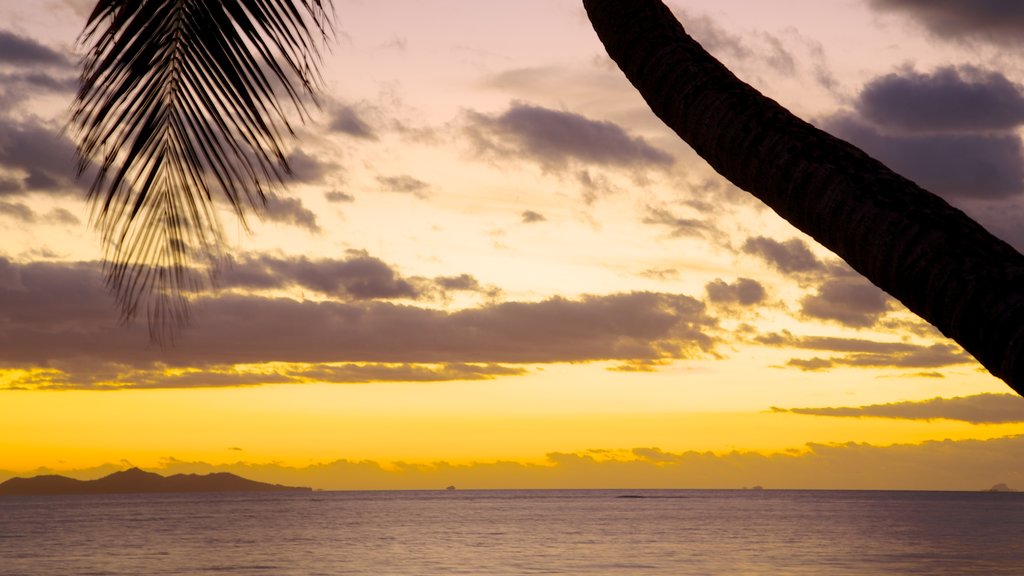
<point x="556" y="139"/>
<point x="977" y="409"/>
<point x="936" y="465"/>
<point x="995" y="21"/>
<point x="950" y="99"/>
<point x="952" y="130"/>
<point x="58" y="318"/>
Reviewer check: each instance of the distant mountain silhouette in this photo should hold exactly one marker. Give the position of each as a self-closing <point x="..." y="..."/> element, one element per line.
<point x="135" y="481"/>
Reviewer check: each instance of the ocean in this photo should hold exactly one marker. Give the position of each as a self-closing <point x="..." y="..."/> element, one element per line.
<point x="686" y="532"/>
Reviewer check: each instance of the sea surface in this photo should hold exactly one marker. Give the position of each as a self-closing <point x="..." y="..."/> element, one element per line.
<point x="516" y="532"/>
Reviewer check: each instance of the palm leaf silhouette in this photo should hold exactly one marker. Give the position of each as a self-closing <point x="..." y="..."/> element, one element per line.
<point x="178" y="110"/>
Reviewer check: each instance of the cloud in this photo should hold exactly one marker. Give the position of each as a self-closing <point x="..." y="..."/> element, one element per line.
<point x="952" y="131"/>
<point x="977" y="409"/>
<point x="851" y="301"/>
<point x="26" y="52"/>
<point x="338" y="197"/>
<point x="957" y="165"/>
<point x="119" y="377"/>
<point x="680" y="227"/>
<point x="531" y="217"/>
<point x="404" y="184"/>
<point x="22" y="213"/>
<point x="290" y="211"/>
<point x="306" y="168"/>
<point x="29" y="69"/>
<point x="965" y="465"/>
<point x="62" y="216"/>
<point x="991" y="21"/>
<point x="744" y="291"/>
<point x="834" y="344"/>
<point x="347" y="121"/>
<point x="933" y="356"/>
<point x="18" y="86"/>
<point x="950" y="99"/>
<point x="735" y="48"/>
<point x="557" y="139"/>
<point x="861" y="353"/>
<point x="358" y="277"/>
<point x="43" y="158"/>
<point x="17" y="211"/>
<point x="59" y="317"/>
<point x="464" y="283"/>
<point x="660" y="273"/>
<point x="788" y="257"/>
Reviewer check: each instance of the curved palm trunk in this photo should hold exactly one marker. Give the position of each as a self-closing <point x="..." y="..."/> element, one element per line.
<point x="930" y="256"/>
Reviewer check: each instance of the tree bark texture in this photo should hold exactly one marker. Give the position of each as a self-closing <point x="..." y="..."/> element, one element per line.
<point x="928" y="255"/>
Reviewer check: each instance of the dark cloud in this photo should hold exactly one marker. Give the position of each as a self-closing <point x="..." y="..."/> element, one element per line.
<point x="530" y="217"/>
<point x="445" y="285"/>
<point x="833" y="344"/>
<point x="306" y="168"/>
<point x="680" y="227"/>
<point x="851" y="301"/>
<point x="10" y="186"/>
<point x="952" y="131"/>
<point x="977" y="409"/>
<point x="22" y="51"/>
<point x="117" y="378"/>
<point x="462" y="282"/>
<point x="744" y="291"/>
<point x="811" y="364"/>
<point x="18" y="211"/>
<point x="555" y="139"/>
<point x="43" y="156"/>
<point x="358" y="277"/>
<point x="59" y="317"/>
<point x="861" y="353"/>
<point x="992" y="21"/>
<point x="962" y="165"/>
<point x="934" y="356"/>
<point x="404" y="184"/>
<point x="290" y="211"/>
<point x="952" y="99"/>
<point x="19" y="86"/>
<point x="790" y="256"/>
<point x="347" y="121"/>
<point x="29" y="69"/>
<point x="21" y="212"/>
<point x="594" y="185"/>
<point x="338" y="196"/>
<point x="660" y="273"/>
<point x="62" y="216"/>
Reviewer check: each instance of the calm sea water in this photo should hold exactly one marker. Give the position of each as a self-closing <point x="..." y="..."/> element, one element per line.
<point x="516" y="532"/>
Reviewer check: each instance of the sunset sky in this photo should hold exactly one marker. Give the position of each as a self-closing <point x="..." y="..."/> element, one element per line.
<point x="495" y="267"/>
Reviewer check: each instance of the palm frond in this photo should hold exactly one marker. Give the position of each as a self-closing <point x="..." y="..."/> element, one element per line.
<point x="180" y="107"/>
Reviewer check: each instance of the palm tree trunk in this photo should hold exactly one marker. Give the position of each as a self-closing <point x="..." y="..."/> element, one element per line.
<point x="930" y="256"/>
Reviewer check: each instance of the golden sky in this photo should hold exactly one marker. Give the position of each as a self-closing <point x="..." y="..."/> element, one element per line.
<point x="494" y="267"/>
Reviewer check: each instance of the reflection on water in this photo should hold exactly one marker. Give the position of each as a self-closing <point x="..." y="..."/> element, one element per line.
<point x="516" y="532"/>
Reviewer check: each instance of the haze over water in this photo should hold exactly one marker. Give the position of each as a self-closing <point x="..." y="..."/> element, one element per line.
<point x="516" y="532"/>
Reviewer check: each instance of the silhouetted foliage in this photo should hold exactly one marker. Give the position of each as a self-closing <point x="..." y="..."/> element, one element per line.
<point x="179" y="109"/>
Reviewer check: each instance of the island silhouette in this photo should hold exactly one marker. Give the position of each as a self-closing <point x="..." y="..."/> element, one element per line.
<point x="136" y="481"/>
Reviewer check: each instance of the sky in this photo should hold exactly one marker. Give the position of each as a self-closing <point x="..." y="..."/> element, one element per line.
<point x="493" y="267"/>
